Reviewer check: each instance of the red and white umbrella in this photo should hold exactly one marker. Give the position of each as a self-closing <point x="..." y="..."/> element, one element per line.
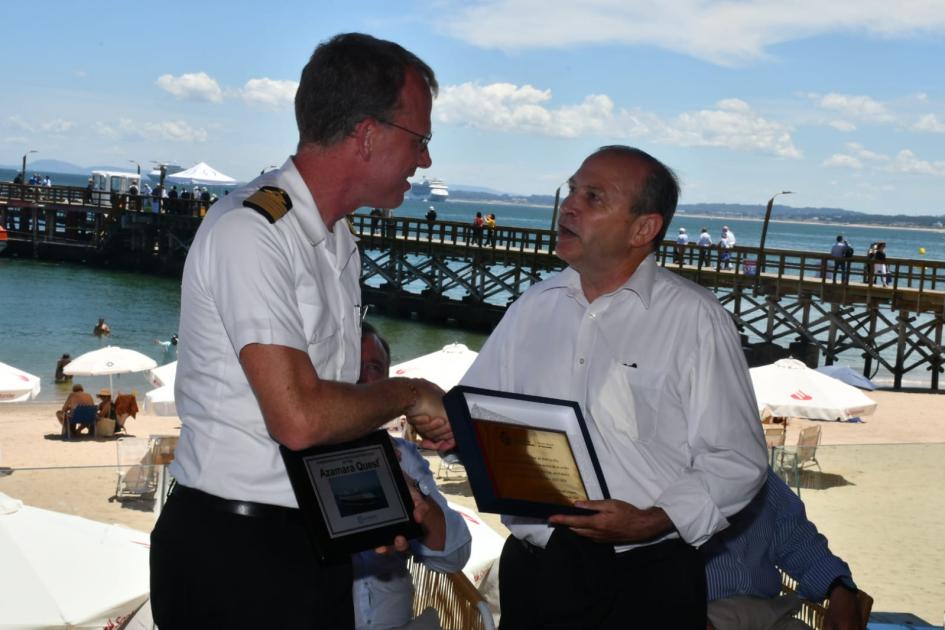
<point x="17" y="385"/>
<point x="789" y="388"/>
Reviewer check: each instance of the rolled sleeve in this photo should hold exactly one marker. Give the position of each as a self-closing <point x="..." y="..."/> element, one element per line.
<point x="253" y="282"/>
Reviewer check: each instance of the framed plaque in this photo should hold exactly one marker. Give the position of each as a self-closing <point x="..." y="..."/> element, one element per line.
<point x="353" y="495"/>
<point x="524" y="455"/>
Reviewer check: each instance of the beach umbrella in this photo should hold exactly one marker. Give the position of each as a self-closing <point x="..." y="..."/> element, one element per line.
<point x="201" y="173"/>
<point x="444" y="367"/>
<point x="64" y="571"/>
<point x="109" y="361"/>
<point x="17" y="385"/>
<point x="160" y="401"/>
<point x="789" y="388"/>
<point x="848" y="375"/>
<point x="164" y="374"/>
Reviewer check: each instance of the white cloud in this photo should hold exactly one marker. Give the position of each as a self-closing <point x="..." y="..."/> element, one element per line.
<point x="848" y="161"/>
<point x="506" y="107"/>
<point x="842" y="125"/>
<point x="719" y="31"/>
<point x="908" y="162"/>
<point x="930" y="123"/>
<point x="269" y="93"/>
<point x="19" y="123"/>
<point x="57" y="125"/>
<point x="174" y="130"/>
<point x="198" y="86"/>
<point x="863" y="153"/>
<point x="858" y="107"/>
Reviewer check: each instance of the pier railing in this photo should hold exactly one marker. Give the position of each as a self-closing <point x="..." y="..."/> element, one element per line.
<point x="57" y="197"/>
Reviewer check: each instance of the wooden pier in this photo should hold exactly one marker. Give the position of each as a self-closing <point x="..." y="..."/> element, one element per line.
<point x="446" y="271"/>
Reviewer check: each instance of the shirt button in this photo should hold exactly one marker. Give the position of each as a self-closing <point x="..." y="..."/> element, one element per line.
<point x="581" y="361"/>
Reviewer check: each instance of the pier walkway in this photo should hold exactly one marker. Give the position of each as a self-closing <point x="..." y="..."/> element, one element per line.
<point x="447" y="271"/>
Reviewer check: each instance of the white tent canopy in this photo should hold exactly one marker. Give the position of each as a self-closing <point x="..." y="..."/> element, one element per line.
<point x="17" y="385"/>
<point x="791" y="389"/>
<point x="63" y="571"/>
<point x="202" y="174"/>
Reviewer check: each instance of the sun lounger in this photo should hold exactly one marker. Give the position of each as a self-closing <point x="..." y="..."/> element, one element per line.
<point x="458" y="603"/>
<point x="812" y="613"/>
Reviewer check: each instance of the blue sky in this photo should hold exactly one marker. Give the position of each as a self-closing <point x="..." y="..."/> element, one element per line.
<point x="842" y="101"/>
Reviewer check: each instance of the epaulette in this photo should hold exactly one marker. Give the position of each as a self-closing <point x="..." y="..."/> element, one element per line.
<point x="269" y="201"/>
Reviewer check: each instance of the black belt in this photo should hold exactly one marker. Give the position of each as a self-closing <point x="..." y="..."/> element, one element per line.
<point x="240" y="508"/>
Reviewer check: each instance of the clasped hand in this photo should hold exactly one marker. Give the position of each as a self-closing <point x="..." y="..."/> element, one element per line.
<point x="428" y="417"/>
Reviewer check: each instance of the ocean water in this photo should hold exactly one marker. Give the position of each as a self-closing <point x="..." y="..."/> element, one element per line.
<point x="50" y="308"/>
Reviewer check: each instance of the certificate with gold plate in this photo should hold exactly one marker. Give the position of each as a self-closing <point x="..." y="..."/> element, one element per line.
<point x="524" y="455"/>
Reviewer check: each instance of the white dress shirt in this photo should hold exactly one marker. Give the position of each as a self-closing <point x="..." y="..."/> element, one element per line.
<point x="658" y="371"/>
<point x="292" y="283"/>
<point x="383" y="590"/>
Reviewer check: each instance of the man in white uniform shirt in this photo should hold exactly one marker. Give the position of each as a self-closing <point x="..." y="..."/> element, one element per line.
<point x="656" y="365"/>
<point x="269" y="350"/>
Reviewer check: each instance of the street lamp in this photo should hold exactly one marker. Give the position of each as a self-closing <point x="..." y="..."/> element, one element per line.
<point x="764" y="231"/>
<point x="136" y="164"/>
<point x="23" y="170"/>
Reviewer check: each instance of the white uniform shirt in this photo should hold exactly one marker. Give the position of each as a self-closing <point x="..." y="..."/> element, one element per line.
<point x="382" y="589"/>
<point x="291" y="283"/>
<point x="658" y="371"/>
<point x="682" y="239"/>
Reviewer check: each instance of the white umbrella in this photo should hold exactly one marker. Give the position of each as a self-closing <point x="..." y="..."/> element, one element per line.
<point x="160" y="401"/>
<point x="790" y="388"/>
<point x="63" y="571"/>
<point x="17" y="385"/>
<point x="164" y="374"/>
<point x="444" y="367"/>
<point x="109" y="361"/>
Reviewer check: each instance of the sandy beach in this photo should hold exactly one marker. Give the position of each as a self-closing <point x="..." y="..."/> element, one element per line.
<point x="873" y="494"/>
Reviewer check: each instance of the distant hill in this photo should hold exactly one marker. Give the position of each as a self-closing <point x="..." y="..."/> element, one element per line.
<point x="47" y="166"/>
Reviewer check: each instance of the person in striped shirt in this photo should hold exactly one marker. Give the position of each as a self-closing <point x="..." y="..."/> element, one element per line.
<point x="742" y="563"/>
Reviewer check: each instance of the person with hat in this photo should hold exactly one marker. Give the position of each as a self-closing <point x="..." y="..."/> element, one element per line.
<point x="681" y="242"/>
<point x="105" y="403"/>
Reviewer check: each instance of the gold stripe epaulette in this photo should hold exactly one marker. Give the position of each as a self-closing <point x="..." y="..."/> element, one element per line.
<point x="269" y="201"/>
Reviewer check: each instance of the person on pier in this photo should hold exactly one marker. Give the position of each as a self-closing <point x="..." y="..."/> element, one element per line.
<point x="270" y="333"/>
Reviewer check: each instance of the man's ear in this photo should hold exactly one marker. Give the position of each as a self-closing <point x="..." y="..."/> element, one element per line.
<point x="645" y="229"/>
<point x="365" y="134"/>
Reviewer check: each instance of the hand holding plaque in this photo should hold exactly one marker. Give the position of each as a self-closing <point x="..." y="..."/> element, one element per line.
<point x="525" y="455"/>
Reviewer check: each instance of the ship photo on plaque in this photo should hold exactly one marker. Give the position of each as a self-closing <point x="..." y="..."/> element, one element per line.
<point x="353" y="495"/>
<point x="524" y="455"/>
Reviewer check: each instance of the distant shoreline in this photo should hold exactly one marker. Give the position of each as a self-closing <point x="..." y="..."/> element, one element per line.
<point x="687" y="215"/>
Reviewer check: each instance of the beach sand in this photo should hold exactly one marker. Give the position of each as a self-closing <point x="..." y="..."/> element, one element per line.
<point x="874" y="495"/>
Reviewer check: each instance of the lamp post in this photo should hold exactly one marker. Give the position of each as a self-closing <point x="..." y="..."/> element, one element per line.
<point x="23" y="170"/>
<point x="136" y="164"/>
<point x="764" y="231"/>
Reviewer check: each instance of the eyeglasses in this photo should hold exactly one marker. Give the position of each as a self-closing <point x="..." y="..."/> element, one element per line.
<point x="424" y="139"/>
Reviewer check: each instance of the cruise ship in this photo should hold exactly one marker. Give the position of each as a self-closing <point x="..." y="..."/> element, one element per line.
<point x="430" y="189"/>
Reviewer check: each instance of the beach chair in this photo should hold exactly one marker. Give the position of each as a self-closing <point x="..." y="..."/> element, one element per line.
<point x="82" y="414"/>
<point x="458" y="603"/>
<point x="806" y="451"/>
<point x="812" y="613"/>
<point x="451" y="463"/>
<point x="138" y="475"/>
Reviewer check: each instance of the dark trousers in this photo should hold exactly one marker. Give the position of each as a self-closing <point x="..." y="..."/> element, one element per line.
<point x="576" y="584"/>
<point x="214" y="569"/>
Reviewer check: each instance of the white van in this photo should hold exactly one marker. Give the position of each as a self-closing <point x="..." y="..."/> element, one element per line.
<point x="104" y="183"/>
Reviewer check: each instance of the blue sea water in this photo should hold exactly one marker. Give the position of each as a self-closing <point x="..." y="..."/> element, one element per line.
<point x="51" y="308"/>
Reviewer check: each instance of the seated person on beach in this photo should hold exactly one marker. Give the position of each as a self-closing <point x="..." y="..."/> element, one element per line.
<point x="742" y="563"/>
<point x="77" y="397"/>
<point x="105" y="407"/>
<point x="125" y="405"/>
<point x="101" y="328"/>
<point x="62" y="377"/>
<point x="382" y="589"/>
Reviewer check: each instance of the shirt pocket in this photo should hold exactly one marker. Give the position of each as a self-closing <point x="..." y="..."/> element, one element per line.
<point x="322" y="337"/>
<point x="627" y="403"/>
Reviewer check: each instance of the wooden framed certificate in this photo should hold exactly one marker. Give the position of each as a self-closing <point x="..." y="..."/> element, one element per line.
<point x="353" y="495"/>
<point x="524" y="455"/>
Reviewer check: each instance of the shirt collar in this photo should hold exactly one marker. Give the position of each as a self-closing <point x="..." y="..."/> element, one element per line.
<point x="640" y="282"/>
<point x="311" y="222"/>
